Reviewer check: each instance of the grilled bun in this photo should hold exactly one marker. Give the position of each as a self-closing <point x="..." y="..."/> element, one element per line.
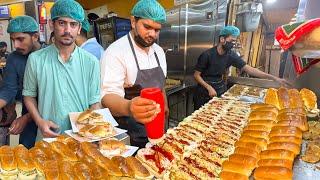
<point x="112" y="147"/>
<point x="247" y="161"/>
<point x="236" y="167"/>
<point x="261" y="105"/>
<point x="108" y="165"/>
<point x="248" y="145"/>
<point x="6" y="150"/>
<point x="42" y="144"/>
<point x="139" y="170"/>
<point x="272" y="97"/>
<point x="36" y="152"/>
<point x="84" y="116"/>
<point x="284" y="100"/>
<point x="8" y="165"/>
<point x="295" y="99"/>
<point x="299" y="111"/>
<point x="309" y="98"/>
<point x="291" y="116"/>
<point x="51" y="154"/>
<point x="257" y="128"/>
<point x="64" y="151"/>
<point x="260" y="141"/>
<point x="267" y="123"/>
<point x="285" y="131"/>
<point x="122" y="164"/>
<point x="52" y="174"/>
<point x="66" y="170"/>
<point x="227" y="175"/>
<point x="277" y="154"/>
<point x="291" y="139"/>
<point x="285" y="145"/>
<point x="246" y="151"/>
<point x="256" y="134"/>
<point x="83" y="171"/>
<point x="273" y="172"/>
<point x="26" y="168"/>
<point x="257" y="115"/>
<point x="20" y="151"/>
<point x="276" y="162"/>
<point x="98" y="172"/>
<point x="303" y="126"/>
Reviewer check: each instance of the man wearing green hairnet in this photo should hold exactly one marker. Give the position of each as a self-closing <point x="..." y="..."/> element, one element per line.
<point x="24" y="35"/>
<point x="131" y="63"/>
<point x="65" y="77"/>
<point x="214" y="62"/>
<point x="91" y="45"/>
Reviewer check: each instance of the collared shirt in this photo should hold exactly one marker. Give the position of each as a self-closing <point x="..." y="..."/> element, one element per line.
<point x="12" y="82"/>
<point x="93" y="47"/>
<point x="62" y="87"/>
<point x="118" y="66"/>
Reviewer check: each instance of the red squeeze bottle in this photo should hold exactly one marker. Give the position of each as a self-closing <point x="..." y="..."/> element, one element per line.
<point x="155" y="128"/>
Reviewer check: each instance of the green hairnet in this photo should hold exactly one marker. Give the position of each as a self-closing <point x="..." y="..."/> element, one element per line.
<point x="149" y="9"/>
<point x="85" y="25"/>
<point x="67" y="8"/>
<point x="230" y="30"/>
<point x="22" y="24"/>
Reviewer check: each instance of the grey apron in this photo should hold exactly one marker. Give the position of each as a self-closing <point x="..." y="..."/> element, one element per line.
<point x="145" y="78"/>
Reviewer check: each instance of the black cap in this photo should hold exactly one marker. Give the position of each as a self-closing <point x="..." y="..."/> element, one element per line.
<point x="3" y="44"/>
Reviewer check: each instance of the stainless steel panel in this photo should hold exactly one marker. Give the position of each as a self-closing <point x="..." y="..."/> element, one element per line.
<point x="191" y="29"/>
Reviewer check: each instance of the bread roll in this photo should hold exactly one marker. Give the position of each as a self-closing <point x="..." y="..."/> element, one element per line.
<point x="299" y="111"/>
<point x="64" y="151"/>
<point x="108" y="165"/>
<point x="52" y="174"/>
<point x="267" y="123"/>
<point x="276" y="162"/>
<point x="291" y="139"/>
<point x="284" y="100"/>
<point x="260" y="105"/>
<point x="66" y="170"/>
<point x="272" y="97"/>
<point x="257" y="128"/>
<point x="26" y="167"/>
<point x="39" y="165"/>
<point x="20" y="151"/>
<point x="236" y="167"/>
<point x="112" y="147"/>
<point x="257" y="115"/>
<point x="248" y="145"/>
<point x="247" y="151"/>
<point x="309" y="98"/>
<point x="6" y="150"/>
<point x="125" y="169"/>
<point x="98" y="172"/>
<point x="84" y="117"/>
<point x="295" y="99"/>
<point x="82" y="171"/>
<point x="273" y="172"/>
<point x="139" y="170"/>
<point x="8" y="164"/>
<point x="277" y="154"/>
<point x="260" y="141"/>
<point x="227" y="175"/>
<point x="285" y="145"/>
<point x="285" y="131"/>
<point x="291" y="116"/>
<point x="257" y="134"/>
<point x="36" y="152"/>
<point x="51" y="154"/>
<point x="301" y="125"/>
<point x="246" y="161"/>
<point x="42" y="144"/>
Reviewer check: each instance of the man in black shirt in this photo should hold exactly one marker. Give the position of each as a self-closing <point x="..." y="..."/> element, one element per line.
<point x="213" y="63"/>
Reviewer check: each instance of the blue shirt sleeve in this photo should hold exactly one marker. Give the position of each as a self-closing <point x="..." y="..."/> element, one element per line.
<point x="93" y="49"/>
<point x="10" y="82"/>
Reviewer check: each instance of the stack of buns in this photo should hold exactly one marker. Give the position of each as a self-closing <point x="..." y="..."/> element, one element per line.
<point x="92" y="125"/>
<point x="56" y="160"/>
<point x="284" y="98"/>
<point x="253" y="140"/>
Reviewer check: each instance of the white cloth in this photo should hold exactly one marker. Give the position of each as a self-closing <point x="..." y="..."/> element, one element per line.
<point x="118" y="66"/>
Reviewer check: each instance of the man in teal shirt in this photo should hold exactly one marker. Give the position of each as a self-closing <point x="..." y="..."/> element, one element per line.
<point x="65" y="77"/>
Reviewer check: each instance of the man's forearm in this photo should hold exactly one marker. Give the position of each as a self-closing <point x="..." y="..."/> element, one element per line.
<point x="257" y="73"/>
<point x="199" y="79"/>
<point x="27" y="117"/>
<point x="32" y="106"/>
<point x="118" y="105"/>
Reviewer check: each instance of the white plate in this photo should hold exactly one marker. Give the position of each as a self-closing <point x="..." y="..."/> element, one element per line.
<point x="83" y="139"/>
<point x="107" y="117"/>
<point x="130" y="150"/>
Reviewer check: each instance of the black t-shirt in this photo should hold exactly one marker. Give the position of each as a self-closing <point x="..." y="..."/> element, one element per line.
<point x="212" y="65"/>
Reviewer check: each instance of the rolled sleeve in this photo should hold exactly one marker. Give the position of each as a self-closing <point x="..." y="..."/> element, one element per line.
<point x="10" y="83"/>
<point x="95" y="84"/>
<point x="30" y="79"/>
<point x="202" y="63"/>
<point x="113" y="74"/>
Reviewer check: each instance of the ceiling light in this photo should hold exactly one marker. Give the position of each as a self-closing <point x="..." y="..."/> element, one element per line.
<point x="271" y="1"/>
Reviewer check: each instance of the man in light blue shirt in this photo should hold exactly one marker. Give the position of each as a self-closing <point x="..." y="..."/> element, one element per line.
<point x="91" y="45"/>
<point x="65" y="77"/>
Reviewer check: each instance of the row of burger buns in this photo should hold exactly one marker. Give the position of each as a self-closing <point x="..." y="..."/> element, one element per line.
<point x="66" y="158"/>
<point x="266" y="144"/>
<point x="283" y="98"/>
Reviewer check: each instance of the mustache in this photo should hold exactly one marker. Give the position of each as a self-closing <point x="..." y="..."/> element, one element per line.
<point x="19" y="49"/>
<point x="66" y="34"/>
